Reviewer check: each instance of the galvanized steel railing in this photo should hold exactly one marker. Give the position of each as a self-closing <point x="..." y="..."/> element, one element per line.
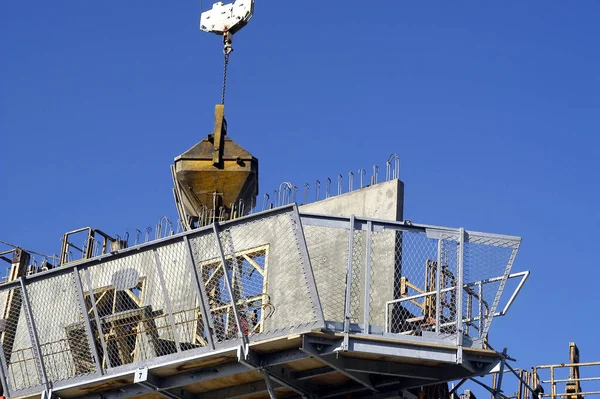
<point x="230" y="284"/>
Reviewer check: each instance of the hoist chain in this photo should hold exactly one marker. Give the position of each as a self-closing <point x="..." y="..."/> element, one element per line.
<point x="227" y="49"/>
<point x="224" y="78"/>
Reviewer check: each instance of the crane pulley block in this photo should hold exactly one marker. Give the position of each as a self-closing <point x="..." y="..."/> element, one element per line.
<point x="223" y="18"/>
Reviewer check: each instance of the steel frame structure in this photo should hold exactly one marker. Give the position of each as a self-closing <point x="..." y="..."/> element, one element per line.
<point x="339" y="346"/>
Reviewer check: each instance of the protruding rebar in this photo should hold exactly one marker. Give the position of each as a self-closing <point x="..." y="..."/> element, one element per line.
<point x="317" y="190"/>
<point x="350" y="181"/>
<point x="375" y="174"/>
<point x="361" y="172"/>
<point x="327" y="187"/>
<point x="395" y="173"/>
<point x="306" y="188"/>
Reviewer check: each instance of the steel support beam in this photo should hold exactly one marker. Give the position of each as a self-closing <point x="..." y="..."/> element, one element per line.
<point x="268" y="384"/>
<point x="154" y="384"/>
<point x="278" y="358"/>
<point x="281" y="375"/>
<point x="308" y="374"/>
<point x="241" y="391"/>
<point x="338" y="364"/>
<point x="193" y="377"/>
<point x="402" y="370"/>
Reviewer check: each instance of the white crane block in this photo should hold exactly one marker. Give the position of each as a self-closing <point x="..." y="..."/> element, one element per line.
<point x="227" y="17"/>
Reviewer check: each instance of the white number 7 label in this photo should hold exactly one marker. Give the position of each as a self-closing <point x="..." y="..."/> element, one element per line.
<point x="140" y="375"/>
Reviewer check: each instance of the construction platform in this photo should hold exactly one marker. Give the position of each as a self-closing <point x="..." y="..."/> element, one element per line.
<point x="275" y="304"/>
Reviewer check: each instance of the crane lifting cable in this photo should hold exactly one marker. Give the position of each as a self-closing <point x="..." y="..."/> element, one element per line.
<point x="225" y="20"/>
<point x="217" y="179"/>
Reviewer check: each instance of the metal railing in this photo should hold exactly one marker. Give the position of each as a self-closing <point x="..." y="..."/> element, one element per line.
<point x="561" y="382"/>
<point x="394" y="284"/>
<point x="173" y="298"/>
<point x="246" y="280"/>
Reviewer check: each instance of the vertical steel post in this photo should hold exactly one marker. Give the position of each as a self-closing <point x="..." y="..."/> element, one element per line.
<point x="88" y="281"/>
<point x="228" y="282"/>
<point x="3" y="372"/>
<point x="553" y="386"/>
<point x="86" y="319"/>
<point x="368" y="242"/>
<point x="349" y="276"/>
<point x="201" y="292"/>
<point x="459" y="287"/>
<point x="480" y="311"/>
<point x="35" y="342"/>
<point x="438" y="289"/>
<point x="308" y="271"/>
<point x="163" y="286"/>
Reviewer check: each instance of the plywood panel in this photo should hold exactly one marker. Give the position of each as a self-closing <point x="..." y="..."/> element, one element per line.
<point x="225" y="382"/>
<point x="277" y="344"/>
<point x="196" y="364"/>
<point x="305" y="364"/>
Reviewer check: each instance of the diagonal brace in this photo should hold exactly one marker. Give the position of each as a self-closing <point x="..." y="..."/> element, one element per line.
<point x="338" y="364"/>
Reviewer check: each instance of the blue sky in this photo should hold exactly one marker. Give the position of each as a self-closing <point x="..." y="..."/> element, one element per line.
<point x="493" y="108"/>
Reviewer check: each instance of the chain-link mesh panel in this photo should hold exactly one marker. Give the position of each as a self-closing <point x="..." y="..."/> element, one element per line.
<point x="209" y="267"/>
<point x="488" y="260"/>
<point x="357" y="288"/>
<point x="60" y="328"/>
<point x="183" y="303"/>
<point x="415" y="263"/>
<point x="328" y="251"/>
<point x="448" y="275"/>
<point x="129" y="301"/>
<point x="21" y="366"/>
<point x="269" y="277"/>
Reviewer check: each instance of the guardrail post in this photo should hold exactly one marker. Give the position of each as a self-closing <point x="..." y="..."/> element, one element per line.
<point x="3" y="372"/>
<point x="35" y="342"/>
<point x="163" y="286"/>
<point x="228" y="283"/>
<point x="459" y="292"/>
<point x="201" y="292"/>
<point x="480" y="311"/>
<point x="368" y="277"/>
<point x="349" y="277"/>
<point x="86" y="319"/>
<point x="438" y="297"/>
<point x="88" y="281"/>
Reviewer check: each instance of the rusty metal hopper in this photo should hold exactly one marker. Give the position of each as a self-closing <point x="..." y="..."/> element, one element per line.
<point x="216" y="175"/>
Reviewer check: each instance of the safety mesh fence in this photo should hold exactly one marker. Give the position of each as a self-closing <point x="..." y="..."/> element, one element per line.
<point x="252" y="278"/>
<point x="408" y="280"/>
<point x="58" y="317"/>
<point x="328" y="251"/>
<point x="488" y="261"/>
<point x="270" y="276"/>
<point x="411" y="262"/>
<point x="19" y="359"/>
